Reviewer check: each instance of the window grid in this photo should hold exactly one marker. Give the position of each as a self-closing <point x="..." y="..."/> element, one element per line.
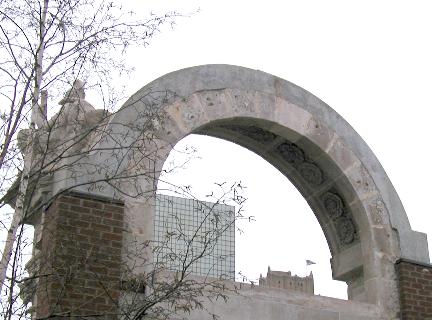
<point x="185" y="224"/>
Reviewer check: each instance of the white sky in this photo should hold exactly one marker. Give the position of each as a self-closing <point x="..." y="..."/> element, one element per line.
<point x="369" y="60"/>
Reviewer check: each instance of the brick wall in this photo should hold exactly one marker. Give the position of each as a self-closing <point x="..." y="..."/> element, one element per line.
<point x="415" y="290"/>
<point x="80" y="258"/>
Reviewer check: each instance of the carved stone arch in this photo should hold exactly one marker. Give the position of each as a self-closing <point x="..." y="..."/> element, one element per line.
<point x="356" y="205"/>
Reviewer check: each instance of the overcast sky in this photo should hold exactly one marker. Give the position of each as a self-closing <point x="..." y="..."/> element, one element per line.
<point x="369" y="60"/>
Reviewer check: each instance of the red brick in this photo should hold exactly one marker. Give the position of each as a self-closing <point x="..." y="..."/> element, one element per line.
<point x="116" y="244"/>
<point x="90" y="218"/>
<point x="100" y="227"/>
<point x="114" y="209"/>
<point x="82" y="243"/>
<point x="90" y="233"/>
<point x="102" y="213"/>
<point x="117" y="216"/>
<point x="71" y="200"/>
<point x="92" y="204"/>
<point x="63" y="206"/>
<point x="112" y="222"/>
<point x="414" y="290"/>
<point x="79" y="209"/>
<point x="112" y="236"/>
<point x="79" y="223"/>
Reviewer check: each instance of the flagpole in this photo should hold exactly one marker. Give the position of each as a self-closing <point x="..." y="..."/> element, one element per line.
<point x="308" y="263"/>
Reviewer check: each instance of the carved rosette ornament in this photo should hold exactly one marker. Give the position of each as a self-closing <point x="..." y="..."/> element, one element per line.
<point x="253" y="132"/>
<point x="311" y="173"/>
<point x="333" y="204"/>
<point x="345" y="229"/>
<point x="344" y="225"/>
<point x="258" y="134"/>
<point x="291" y="153"/>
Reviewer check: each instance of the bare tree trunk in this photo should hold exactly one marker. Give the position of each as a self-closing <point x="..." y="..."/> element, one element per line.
<point x="28" y="159"/>
<point x="7" y="251"/>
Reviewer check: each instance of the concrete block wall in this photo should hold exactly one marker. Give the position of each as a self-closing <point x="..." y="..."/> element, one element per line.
<point x="415" y="290"/>
<point x="80" y="258"/>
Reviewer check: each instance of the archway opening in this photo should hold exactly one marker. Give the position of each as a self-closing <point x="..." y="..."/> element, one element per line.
<point x="282" y="232"/>
<point x="352" y="198"/>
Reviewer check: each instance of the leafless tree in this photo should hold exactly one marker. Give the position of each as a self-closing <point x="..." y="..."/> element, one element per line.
<point x="45" y="46"/>
<point x="182" y="290"/>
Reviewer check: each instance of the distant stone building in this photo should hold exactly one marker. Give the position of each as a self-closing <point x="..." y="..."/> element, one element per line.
<point x="284" y="280"/>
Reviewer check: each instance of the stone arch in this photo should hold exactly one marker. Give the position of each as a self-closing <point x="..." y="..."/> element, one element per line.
<point x="355" y="203"/>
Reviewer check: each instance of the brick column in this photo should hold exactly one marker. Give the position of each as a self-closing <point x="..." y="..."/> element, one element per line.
<point x="415" y="290"/>
<point x="80" y="258"/>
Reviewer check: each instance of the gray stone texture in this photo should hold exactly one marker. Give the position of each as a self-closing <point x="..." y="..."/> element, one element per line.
<point x="257" y="303"/>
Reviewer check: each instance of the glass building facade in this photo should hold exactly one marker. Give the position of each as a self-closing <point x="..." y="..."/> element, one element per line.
<point x="195" y="235"/>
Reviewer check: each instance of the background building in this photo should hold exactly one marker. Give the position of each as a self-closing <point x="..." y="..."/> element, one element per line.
<point x="284" y="280"/>
<point x="187" y="229"/>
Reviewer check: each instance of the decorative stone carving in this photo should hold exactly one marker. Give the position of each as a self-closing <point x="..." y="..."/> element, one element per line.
<point x="253" y="132"/>
<point x="377" y="209"/>
<point x="242" y="102"/>
<point x="333" y="204"/>
<point x="213" y="101"/>
<point x="311" y="173"/>
<point x="191" y="116"/>
<point x="291" y="153"/>
<point x="259" y="134"/>
<point x="345" y="229"/>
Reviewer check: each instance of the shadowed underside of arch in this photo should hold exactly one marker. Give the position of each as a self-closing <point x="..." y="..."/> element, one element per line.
<point x="327" y="192"/>
<point x="357" y="207"/>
